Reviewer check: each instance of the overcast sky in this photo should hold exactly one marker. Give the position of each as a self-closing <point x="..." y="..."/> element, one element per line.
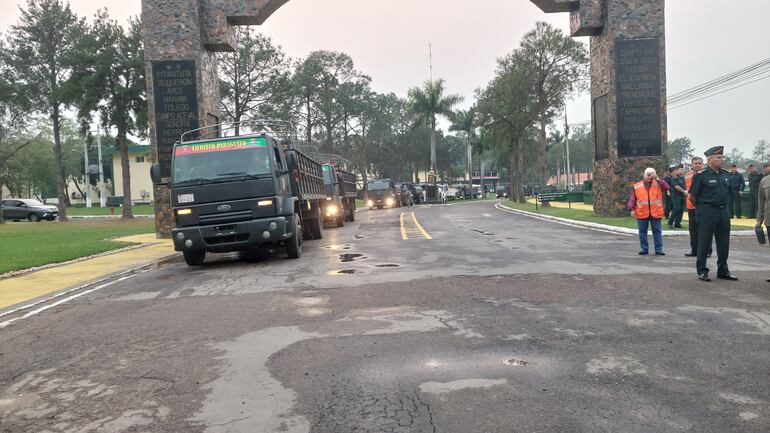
<point x="388" y="40"/>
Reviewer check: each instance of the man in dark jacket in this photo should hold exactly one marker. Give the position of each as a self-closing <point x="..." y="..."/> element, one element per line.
<point x="737" y="186"/>
<point x="669" y="204"/>
<point x="754" y="178"/>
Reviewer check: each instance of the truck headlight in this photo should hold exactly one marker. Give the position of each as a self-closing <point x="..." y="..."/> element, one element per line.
<point x="331" y="210"/>
<point x="370" y="203"/>
<point x="184" y="212"/>
<point x="389" y="201"/>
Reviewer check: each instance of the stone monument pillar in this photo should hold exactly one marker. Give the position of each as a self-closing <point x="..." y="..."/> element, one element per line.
<point x="628" y="90"/>
<point x="181" y="38"/>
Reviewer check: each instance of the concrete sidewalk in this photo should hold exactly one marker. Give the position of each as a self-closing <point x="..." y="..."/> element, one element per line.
<point x="48" y="282"/>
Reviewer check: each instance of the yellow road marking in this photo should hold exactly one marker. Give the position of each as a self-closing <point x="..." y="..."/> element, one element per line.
<point x="412" y="227"/>
<point x="422" y="230"/>
<point x="403" y="228"/>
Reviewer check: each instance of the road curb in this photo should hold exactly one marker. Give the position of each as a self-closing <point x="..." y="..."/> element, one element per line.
<point x="601" y="227"/>
<point x="154" y="264"/>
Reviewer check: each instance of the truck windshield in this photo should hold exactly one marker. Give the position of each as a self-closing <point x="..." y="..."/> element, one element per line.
<point x="216" y="160"/>
<point x="378" y="185"/>
<point x="328" y="175"/>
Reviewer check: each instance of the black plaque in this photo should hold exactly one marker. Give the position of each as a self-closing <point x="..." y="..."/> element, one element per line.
<point x="176" y="106"/>
<point x="637" y="76"/>
<point x="601" y="128"/>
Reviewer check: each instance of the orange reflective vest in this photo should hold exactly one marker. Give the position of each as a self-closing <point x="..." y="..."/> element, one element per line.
<point x="649" y="202"/>
<point x="688" y="181"/>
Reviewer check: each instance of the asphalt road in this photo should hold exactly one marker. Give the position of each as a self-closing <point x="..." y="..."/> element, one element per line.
<point x="497" y="323"/>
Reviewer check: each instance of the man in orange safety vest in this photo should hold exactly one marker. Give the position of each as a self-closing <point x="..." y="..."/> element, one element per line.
<point x="647" y="205"/>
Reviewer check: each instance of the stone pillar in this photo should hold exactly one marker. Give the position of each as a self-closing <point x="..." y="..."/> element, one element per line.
<point x="628" y="91"/>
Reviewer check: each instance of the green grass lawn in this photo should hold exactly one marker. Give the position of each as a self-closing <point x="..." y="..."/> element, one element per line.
<point x="142" y="209"/>
<point x="24" y="245"/>
<point x="578" y="215"/>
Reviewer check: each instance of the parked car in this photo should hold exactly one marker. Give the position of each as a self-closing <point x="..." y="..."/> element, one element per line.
<point x="17" y="209"/>
<point x="452" y="193"/>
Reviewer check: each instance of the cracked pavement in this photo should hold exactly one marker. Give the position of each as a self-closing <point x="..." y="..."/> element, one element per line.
<point x="501" y="323"/>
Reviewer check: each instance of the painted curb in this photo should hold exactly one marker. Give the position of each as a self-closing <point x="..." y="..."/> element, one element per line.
<point x="601" y="227"/>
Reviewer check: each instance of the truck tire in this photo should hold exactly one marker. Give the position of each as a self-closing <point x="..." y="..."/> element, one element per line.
<point x="341" y="220"/>
<point x="294" y="244"/>
<point x="316" y="224"/>
<point x="194" y="258"/>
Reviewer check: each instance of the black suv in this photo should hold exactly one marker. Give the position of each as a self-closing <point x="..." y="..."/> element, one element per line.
<point x="18" y="209"/>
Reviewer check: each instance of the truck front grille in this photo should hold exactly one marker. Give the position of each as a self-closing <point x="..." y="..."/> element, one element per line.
<point x="226" y="217"/>
<point x="216" y="240"/>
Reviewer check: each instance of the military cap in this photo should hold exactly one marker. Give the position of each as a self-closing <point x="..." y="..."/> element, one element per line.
<point x="715" y="151"/>
<point x="672" y="168"/>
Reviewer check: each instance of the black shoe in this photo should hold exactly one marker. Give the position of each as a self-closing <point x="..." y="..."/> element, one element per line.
<point x="768" y="280"/>
<point x="704" y="277"/>
<point x="660" y="253"/>
<point x="643" y="253"/>
<point x="691" y="254"/>
<point x="728" y="277"/>
<point x="708" y="256"/>
<point x="678" y="227"/>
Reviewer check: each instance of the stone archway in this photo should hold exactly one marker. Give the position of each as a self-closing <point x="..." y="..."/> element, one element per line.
<point x="181" y="38"/>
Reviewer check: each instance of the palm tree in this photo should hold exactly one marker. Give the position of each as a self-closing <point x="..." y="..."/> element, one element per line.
<point x="428" y="102"/>
<point x="465" y="121"/>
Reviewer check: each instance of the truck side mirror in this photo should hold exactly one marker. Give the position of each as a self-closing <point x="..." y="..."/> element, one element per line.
<point x="155" y="174"/>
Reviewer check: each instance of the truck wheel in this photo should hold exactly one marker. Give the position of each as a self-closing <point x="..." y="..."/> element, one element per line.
<point x="341" y="220"/>
<point x="194" y="258"/>
<point x="294" y="245"/>
<point x="316" y="228"/>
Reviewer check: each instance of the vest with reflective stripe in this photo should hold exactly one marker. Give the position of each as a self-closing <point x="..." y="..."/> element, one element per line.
<point x="688" y="181"/>
<point x="649" y="202"/>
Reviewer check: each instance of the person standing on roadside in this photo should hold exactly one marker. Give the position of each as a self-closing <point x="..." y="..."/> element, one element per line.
<point x="754" y="178"/>
<point x="737" y="186"/>
<point x="667" y="195"/>
<point x="678" y="197"/>
<point x="763" y="197"/>
<point x="646" y="205"/>
<point x="692" y="215"/>
<point x="711" y="193"/>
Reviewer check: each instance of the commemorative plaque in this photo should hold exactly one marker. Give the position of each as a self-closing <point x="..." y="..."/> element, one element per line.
<point x="637" y="76"/>
<point x="176" y="106"/>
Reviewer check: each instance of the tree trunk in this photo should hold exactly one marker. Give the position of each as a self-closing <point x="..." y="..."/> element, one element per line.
<point x="481" y="175"/>
<point x="433" y="143"/>
<point x="125" y="165"/>
<point x="2" y="219"/>
<point x="542" y="155"/>
<point x="60" y="189"/>
<point x="512" y="175"/>
<point x="469" y="166"/>
<point x="520" y="169"/>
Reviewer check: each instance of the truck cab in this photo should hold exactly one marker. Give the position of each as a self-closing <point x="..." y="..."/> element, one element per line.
<point x="382" y="193"/>
<point x="340" y="188"/>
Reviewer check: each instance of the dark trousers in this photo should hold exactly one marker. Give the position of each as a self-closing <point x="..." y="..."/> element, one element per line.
<point x="713" y="222"/>
<point x="677" y="211"/>
<point x="735" y="205"/>
<point x="754" y="196"/>
<point x="669" y="205"/>
<point x="692" y="215"/>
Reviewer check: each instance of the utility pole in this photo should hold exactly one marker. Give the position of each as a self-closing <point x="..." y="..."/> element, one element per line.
<point x="102" y="198"/>
<point x="87" y="174"/>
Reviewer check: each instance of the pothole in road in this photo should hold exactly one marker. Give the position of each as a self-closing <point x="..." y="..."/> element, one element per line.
<point x="387" y="265"/>
<point x="359" y="237"/>
<point x="165" y="277"/>
<point x="347" y="272"/>
<point x="350" y="257"/>
<point x="513" y="362"/>
<point x="499" y="241"/>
